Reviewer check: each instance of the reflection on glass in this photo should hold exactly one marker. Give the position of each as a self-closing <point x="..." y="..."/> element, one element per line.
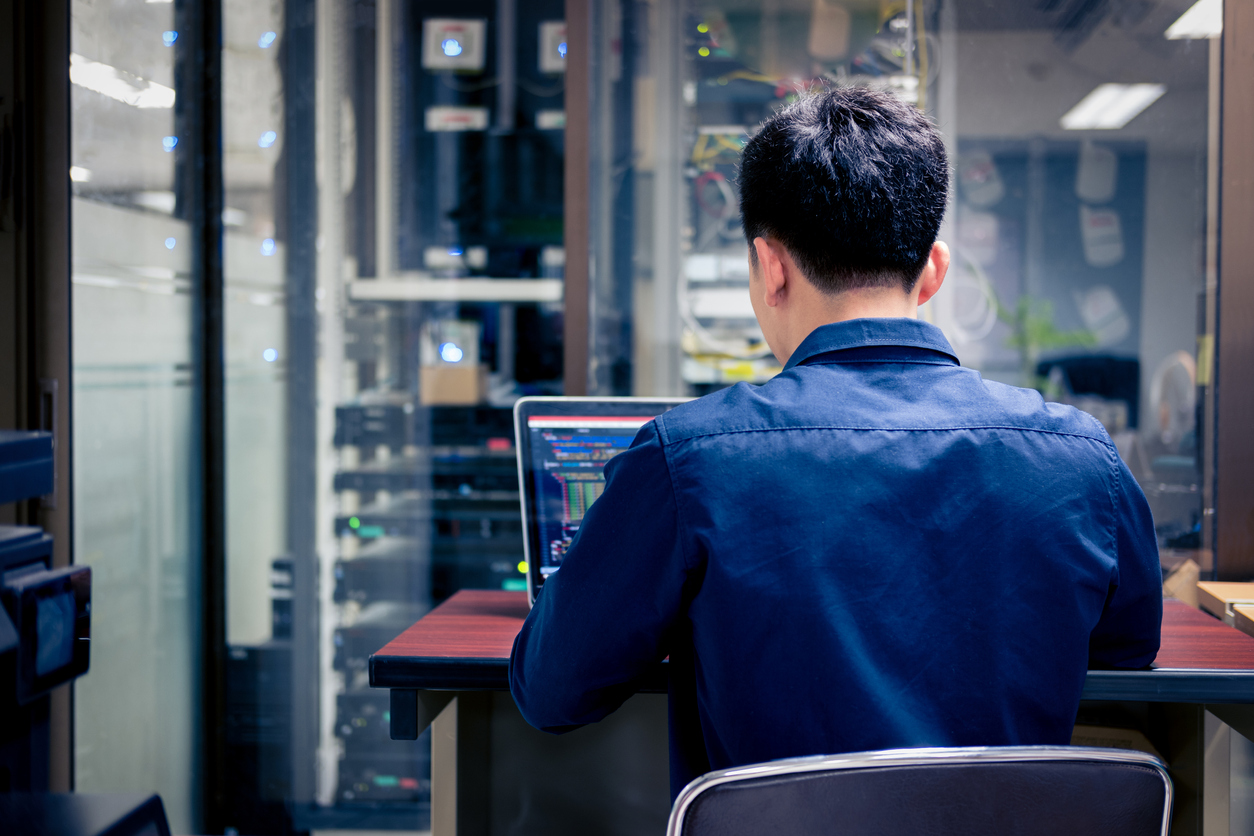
<point x="431" y="258"/>
<point x="1078" y="223"/>
<point x="255" y="257"/>
<point x="136" y="505"/>
<point x="391" y="319"/>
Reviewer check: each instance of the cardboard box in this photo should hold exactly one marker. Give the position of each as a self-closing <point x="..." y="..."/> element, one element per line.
<point x="1243" y="618"/>
<point x="1182" y="583"/>
<point x="452" y="385"/>
<point x="1217" y="597"/>
<point x="1107" y="737"/>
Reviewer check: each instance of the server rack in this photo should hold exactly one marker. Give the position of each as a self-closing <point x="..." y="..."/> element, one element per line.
<point x="452" y="311"/>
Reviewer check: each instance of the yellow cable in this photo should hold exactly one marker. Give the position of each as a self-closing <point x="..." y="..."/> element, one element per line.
<point x="698" y="151"/>
<point x="748" y="76"/>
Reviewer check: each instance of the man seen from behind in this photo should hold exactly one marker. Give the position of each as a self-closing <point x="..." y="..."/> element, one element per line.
<point x="875" y="549"/>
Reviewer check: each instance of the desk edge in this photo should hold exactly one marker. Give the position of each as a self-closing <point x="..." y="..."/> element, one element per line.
<point x="1186" y="685"/>
<point x="467" y="673"/>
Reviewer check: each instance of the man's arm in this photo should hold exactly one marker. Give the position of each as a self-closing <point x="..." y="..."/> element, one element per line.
<point x="1127" y="635"/>
<point x="605" y="617"/>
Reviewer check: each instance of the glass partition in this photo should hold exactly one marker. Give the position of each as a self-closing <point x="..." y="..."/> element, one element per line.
<point x="394" y="270"/>
<point x="136" y="496"/>
<point x="1083" y="154"/>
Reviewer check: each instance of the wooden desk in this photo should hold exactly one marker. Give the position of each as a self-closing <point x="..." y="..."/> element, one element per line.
<point x="464" y="645"/>
<point x="461" y="649"/>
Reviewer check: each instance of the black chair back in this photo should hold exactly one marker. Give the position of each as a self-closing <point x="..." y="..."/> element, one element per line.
<point x="1004" y="791"/>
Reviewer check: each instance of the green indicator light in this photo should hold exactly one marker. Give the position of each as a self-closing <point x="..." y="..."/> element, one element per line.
<point x="514" y="585"/>
<point x="702" y="28"/>
<point x="522" y="566"/>
<point x="353" y="522"/>
<point x="703" y="52"/>
<point x="386" y="780"/>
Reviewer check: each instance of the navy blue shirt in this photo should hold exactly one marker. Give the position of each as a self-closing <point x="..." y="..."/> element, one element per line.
<point x="877" y="548"/>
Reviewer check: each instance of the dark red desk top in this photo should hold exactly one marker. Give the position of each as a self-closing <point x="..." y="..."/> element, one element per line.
<point x="464" y="645"/>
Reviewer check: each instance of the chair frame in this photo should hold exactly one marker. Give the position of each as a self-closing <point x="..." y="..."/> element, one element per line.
<point x="916" y="757"/>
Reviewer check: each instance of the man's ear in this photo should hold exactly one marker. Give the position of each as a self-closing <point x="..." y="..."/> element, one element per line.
<point x="774" y="273"/>
<point x="934" y="271"/>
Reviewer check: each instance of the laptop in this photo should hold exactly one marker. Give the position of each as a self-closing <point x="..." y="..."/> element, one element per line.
<point x="563" y="445"/>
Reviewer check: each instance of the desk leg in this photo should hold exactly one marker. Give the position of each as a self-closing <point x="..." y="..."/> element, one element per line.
<point x="1191" y="759"/>
<point x="459" y="766"/>
<point x="1210" y="769"/>
<point x="1229" y="804"/>
<point x="412" y="711"/>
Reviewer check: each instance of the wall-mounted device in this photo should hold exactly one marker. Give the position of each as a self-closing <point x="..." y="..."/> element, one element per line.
<point x="553" y="46"/>
<point x="454" y="44"/>
<point x="45" y="617"/>
<point x="25" y="465"/>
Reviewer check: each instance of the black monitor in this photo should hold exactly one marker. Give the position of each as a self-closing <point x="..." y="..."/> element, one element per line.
<point x="75" y="814"/>
<point x="51" y="612"/>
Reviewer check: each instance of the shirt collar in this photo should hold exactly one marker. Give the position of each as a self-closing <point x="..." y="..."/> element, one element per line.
<point x="863" y="333"/>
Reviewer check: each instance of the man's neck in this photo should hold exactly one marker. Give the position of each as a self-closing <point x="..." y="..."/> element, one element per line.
<point x="815" y="308"/>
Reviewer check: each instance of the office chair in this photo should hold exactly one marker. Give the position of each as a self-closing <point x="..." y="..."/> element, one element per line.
<point x="1003" y="791"/>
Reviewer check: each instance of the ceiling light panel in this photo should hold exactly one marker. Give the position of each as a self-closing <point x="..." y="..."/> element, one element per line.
<point x="1204" y="19"/>
<point x="119" y="84"/>
<point x="1111" y="106"/>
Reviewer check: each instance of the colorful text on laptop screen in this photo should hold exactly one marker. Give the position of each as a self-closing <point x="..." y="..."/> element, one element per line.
<point x="568" y="454"/>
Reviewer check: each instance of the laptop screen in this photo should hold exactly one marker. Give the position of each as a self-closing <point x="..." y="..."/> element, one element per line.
<point x="563" y="446"/>
<point x="568" y="455"/>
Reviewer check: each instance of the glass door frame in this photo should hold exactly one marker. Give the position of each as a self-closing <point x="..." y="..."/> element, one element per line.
<point x="1231" y="509"/>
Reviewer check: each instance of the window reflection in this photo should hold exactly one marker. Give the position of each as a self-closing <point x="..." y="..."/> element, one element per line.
<point x="135" y="499"/>
<point x="1081" y="145"/>
<point x="388" y="323"/>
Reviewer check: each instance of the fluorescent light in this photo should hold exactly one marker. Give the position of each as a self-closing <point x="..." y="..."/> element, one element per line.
<point x="79" y="174"/>
<point x="1111" y="106"/>
<point x="1204" y="19"/>
<point x="160" y="201"/>
<point x="119" y="84"/>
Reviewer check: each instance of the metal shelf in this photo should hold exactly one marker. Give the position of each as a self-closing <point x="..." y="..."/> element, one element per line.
<point x="455" y="290"/>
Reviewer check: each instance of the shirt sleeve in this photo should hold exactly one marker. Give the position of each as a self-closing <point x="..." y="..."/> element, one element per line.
<point x="1127" y="636"/>
<point x="605" y="618"/>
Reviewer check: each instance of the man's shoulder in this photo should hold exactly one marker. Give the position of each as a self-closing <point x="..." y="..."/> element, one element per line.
<point x="1026" y="409"/>
<point x="726" y="410"/>
<point x="799" y="398"/>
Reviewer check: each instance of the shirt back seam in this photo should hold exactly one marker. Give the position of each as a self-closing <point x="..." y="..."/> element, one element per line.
<point x="668" y="441"/>
<point x="683" y="532"/>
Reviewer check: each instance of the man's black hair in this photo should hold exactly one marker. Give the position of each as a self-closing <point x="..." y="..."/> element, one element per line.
<point x="853" y="182"/>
